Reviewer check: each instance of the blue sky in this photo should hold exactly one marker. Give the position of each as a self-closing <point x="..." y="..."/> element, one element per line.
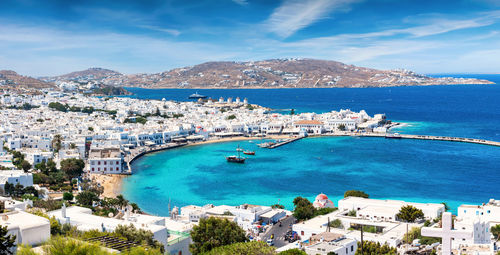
<point x="53" y="37"/>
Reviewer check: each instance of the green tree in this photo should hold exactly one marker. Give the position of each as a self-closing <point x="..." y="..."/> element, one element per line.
<point x="293" y="252"/>
<point x="304" y="209"/>
<point x="495" y="230"/>
<point x="68" y="196"/>
<point x="51" y="166"/>
<point x="446" y="207"/>
<point x="85" y="198"/>
<point x="376" y="248"/>
<point x="42" y="166"/>
<point x="132" y="234"/>
<point x="56" y="143"/>
<point x="341" y="127"/>
<point x="246" y="248"/>
<point x="212" y="232"/>
<point x="26" y="166"/>
<point x="231" y="117"/>
<point x="277" y="206"/>
<point x="356" y="193"/>
<point x="409" y="213"/>
<point x="337" y="223"/>
<point x="6" y="241"/>
<point x="72" y="167"/>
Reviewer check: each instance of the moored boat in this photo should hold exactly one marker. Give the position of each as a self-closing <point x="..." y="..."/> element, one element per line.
<point x="197" y="96"/>
<point x="236" y="159"/>
<point x="249" y="152"/>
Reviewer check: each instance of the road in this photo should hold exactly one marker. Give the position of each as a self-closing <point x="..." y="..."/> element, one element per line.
<point x="279" y="232"/>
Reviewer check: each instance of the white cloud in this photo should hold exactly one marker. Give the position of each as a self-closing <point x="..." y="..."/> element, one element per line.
<point x="170" y="31"/>
<point x="294" y="15"/>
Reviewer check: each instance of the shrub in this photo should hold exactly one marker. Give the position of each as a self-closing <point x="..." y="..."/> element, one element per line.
<point x="356" y="193"/>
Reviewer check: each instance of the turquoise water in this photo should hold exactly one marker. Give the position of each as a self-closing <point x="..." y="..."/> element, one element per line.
<point x="412" y="170"/>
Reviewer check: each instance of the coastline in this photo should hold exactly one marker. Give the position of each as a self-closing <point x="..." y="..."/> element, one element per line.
<point x="487" y="82"/>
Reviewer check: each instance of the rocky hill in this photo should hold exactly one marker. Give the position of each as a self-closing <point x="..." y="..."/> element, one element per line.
<point x="92" y="74"/>
<point x="274" y="73"/>
<point x="278" y="73"/>
<point x="12" y="80"/>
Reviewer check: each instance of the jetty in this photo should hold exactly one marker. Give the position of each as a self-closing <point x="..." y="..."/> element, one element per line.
<point x="286" y="141"/>
<point x="425" y="137"/>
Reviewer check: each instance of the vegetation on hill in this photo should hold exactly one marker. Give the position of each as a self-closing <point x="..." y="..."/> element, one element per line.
<point x="212" y="232"/>
<point x="247" y="248"/>
<point x="376" y="248"/>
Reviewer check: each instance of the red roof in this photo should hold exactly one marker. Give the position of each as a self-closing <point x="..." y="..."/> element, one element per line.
<point x="321" y="197"/>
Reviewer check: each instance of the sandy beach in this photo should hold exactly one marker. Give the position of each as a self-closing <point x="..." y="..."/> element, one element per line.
<point x="112" y="183"/>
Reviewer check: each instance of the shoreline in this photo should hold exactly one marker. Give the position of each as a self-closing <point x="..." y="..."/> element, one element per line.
<point x="360" y="87"/>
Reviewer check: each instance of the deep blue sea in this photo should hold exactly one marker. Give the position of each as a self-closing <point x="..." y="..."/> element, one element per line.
<point x="420" y="171"/>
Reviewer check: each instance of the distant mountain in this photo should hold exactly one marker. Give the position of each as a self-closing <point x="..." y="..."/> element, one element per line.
<point x="91" y="74"/>
<point x="12" y="80"/>
<point x="275" y="73"/>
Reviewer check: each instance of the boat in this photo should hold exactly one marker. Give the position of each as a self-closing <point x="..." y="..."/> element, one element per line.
<point x="236" y="159"/>
<point x="249" y="152"/>
<point x="197" y="96"/>
<point x="393" y="136"/>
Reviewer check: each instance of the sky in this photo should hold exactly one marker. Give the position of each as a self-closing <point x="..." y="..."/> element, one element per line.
<point x="53" y="37"/>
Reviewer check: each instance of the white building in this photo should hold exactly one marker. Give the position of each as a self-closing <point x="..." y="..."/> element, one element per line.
<point x="327" y="242"/>
<point x="386" y="210"/>
<point x="14" y="177"/>
<point x="105" y="161"/>
<point x="28" y="228"/>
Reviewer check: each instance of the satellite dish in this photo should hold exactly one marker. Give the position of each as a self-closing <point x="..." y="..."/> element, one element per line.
<point x="110" y="214"/>
<point x="129" y="208"/>
<point x="5" y="217"/>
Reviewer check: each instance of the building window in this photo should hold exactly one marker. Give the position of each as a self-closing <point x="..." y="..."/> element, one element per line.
<point x="92" y="169"/>
<point x="99" y="162"/>
<point x="301" y="233"/>
<point x="105" y="169"/>
<point x="105" y="162"/>
<point x="117" y="163"/>
<point x="352" y="247"/>
<point x="117" y="169"/>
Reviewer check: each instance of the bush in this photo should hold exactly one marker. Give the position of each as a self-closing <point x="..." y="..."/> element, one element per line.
<point x="293" y="252"/>
<point x="68" y="196"/>
<point x="356" y="193"/>
<point x="336" y="224"/>
<point x="212" y="233"/>
<point x="260" y="248"/>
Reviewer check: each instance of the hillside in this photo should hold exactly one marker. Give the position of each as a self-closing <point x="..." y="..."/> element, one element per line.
<point x="278" y="73"/>
<point x="12" y="80"/>
<point x="91" y="74"/>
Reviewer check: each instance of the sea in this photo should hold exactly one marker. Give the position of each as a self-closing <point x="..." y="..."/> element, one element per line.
<point x="410" y="170"/>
